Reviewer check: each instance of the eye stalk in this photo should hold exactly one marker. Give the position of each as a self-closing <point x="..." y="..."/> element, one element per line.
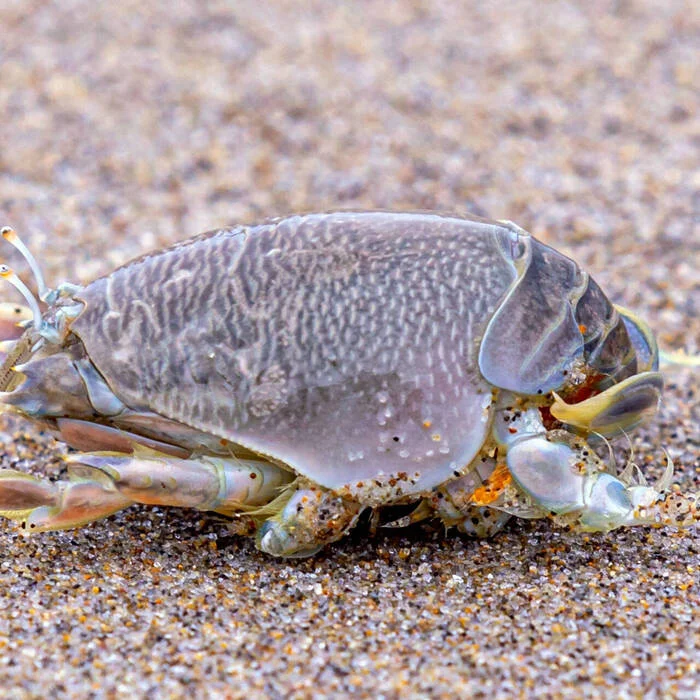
<point x="62" y="307"/>
<point x="10" y="235"/>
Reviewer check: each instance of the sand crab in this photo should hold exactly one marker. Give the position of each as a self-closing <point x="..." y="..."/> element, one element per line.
<point x="294" y="374"/>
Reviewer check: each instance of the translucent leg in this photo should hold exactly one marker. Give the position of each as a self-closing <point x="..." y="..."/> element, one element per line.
<point x="560" y="476"/>
<point x="101" y="484"/>
<point x="40" y="504"/>
<point x="467" y="503"/>
<point x="310" y="519"/>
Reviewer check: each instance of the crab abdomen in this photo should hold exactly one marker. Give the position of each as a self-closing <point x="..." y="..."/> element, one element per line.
<point x="342" y="345"/>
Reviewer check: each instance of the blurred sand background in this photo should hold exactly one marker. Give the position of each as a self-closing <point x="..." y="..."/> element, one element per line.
<point x="128" y="125"/>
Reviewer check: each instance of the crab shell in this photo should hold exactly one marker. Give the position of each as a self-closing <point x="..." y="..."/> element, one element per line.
<point x="364" y="351"/>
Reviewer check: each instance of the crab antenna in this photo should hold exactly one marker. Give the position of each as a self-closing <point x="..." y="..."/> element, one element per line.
<point x="10" y="235"/>
<point x="8" y="274"/>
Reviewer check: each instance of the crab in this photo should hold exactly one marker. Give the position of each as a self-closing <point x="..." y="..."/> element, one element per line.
<point x="294" y="375"/>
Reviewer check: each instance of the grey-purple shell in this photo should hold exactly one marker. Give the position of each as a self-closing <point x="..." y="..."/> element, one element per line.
<point x="346" y="346"/>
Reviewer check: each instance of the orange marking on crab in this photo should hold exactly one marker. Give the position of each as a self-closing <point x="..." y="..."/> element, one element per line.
<point x="493" y="487"/>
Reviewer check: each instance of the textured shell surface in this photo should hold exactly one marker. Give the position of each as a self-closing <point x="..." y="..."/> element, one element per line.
<point x="344" y="346"/>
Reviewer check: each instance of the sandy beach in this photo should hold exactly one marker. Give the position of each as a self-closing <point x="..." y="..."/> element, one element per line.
<point x="127" y="126"/>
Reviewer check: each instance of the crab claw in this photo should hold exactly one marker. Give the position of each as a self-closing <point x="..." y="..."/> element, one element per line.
<point x="564" y="477"/>
<point x="619" y="408"/>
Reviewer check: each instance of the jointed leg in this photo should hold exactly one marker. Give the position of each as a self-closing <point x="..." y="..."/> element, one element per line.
<point x="40" y="504"/>
<point x="559" y="476"/>
<point x="299" y="521"/>
<point x="467" y="503"/>
<point x="312" y="518"/>
<point x="101" y="484"/>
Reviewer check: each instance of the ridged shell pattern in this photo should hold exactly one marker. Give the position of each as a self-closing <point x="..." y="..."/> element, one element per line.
<point x="342" y="345"/>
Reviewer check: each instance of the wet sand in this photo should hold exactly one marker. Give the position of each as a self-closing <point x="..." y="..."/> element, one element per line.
<point x="127" y="127"/>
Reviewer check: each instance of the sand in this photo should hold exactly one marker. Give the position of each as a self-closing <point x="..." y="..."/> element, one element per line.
<point x="126" y="126"/>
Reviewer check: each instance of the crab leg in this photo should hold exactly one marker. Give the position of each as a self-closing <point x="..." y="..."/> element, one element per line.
<point x="311" y="518"/>
<point x="465" y="503"/>
<point x="40" y="504"/>
<point x="101" y="484"/>
<point x="562" y="477"/>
